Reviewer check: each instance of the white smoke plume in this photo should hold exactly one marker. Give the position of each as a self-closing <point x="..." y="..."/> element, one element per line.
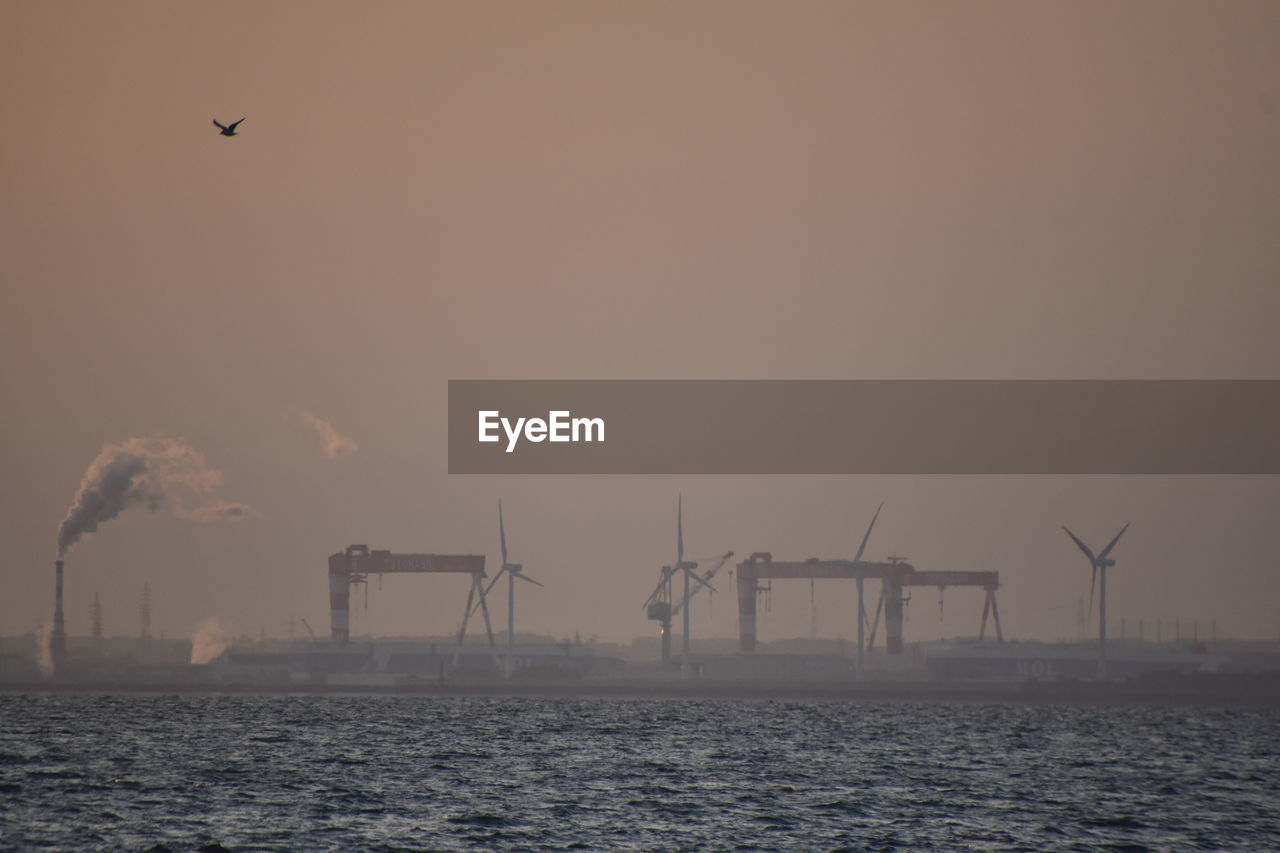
<point x="150" y="472"/>
<point x="335" y="444"/>
<point x="208" y="640"/>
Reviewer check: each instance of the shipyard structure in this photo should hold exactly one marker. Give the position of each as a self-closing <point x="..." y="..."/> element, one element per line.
<point x="340" y="660"/>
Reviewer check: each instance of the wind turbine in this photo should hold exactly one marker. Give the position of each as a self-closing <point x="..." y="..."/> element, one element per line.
<point x="862" y="610"/>
<point x="512" y="571"/>
<point x="687" y="567"/>
<point x="659" y="604"/>
<point x="1099" y="566"/>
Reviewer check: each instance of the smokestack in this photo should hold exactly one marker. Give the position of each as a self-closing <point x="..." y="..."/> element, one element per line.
<point x="58" y="643"/>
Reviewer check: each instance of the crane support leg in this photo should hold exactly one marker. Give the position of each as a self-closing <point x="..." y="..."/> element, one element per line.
<point x="339" y="606"/>
<point x="466" y="615"/>
<point x="747" y="583"/>
<point x="488" y="627"/>
<point x="989" y="607"/>
<point x="484" y="609"/>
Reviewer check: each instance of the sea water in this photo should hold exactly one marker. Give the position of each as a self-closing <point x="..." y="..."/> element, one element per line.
<point x="237" y="772"/>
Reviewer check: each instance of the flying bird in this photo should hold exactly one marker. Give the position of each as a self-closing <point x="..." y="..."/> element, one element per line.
<point x="227" y="129"/>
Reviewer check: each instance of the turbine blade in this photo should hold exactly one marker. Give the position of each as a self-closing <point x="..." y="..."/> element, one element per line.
<point x="502" y="532"/>
<point x="485" y="592"/>
<point x="678" y="607"/>
<point x="1093" y="579"/>
<point x="693" y="575"/>
<point x="525" y="577"/>
<point x="1083" y="547"/>
<point x="1107" y="550"/>
<point x="867" y="535"/>
<point x="679" y="530"/>
<point x="494" y="580"/>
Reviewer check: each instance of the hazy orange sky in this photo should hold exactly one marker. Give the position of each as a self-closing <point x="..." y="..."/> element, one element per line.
<point x="432" y="191"/>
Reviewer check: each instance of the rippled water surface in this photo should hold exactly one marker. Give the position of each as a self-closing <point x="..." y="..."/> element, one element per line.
<point x="425" y="773"/>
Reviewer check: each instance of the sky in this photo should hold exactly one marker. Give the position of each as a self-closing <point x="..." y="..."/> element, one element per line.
<point x="426" y="191"/>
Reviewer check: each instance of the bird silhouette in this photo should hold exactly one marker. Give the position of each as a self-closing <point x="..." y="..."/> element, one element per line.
<point x="227" y="129"/>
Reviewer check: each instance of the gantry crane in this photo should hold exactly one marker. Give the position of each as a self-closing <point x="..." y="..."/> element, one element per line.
<point x="358" y="562"/>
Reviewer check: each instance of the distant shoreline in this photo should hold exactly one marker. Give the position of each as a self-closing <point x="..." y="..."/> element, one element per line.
<point x="1201" y="689"/>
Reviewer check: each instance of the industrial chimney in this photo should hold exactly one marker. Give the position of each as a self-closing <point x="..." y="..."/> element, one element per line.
<point x="58" y="643"/>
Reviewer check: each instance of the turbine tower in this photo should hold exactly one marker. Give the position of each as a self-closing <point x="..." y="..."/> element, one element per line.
<point x="1099" y="566"/>
<point x="862" y="610"/>
<point x="686" y="567"/>
<point x="512" y="571"/>
<point x="659" y="605"/>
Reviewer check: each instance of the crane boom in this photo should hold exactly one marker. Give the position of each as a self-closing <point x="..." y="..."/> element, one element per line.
<point x="706" y="579"/>
<point x="358" y="562"/>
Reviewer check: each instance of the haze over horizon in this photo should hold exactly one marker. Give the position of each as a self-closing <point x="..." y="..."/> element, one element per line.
<point x="426" y="191"/>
